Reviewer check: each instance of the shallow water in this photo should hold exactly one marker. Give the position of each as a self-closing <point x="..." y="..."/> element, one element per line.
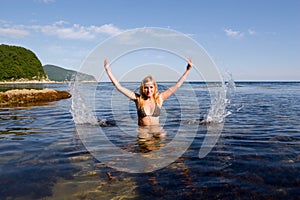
<point x="256" y="157"/>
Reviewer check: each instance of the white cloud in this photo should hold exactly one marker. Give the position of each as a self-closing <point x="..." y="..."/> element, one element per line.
<point x="60" y="22"/>
<point x="45" y="1"/>
<point x="233" y="33"/>
<point x="7" y="29"/>
<point x="238" y="34"/>
<point x="13" y="32"/>
<point x="60" y="29"/>
<point x="251" y="32"/>
<point x="73" y="32"/>
<point x="108" y="29"/>
<point x="77" y="31"/>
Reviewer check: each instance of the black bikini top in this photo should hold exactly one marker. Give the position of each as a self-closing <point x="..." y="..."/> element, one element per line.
<point x="141" y="112"/>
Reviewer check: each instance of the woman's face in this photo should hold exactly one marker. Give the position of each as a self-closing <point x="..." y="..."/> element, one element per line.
<point x="149" y="89"/>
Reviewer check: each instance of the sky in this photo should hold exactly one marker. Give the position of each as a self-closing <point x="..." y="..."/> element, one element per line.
<point x="250" y="39"/>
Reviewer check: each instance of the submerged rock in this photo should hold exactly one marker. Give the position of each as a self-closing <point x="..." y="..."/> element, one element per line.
<point x="31" y="96"/>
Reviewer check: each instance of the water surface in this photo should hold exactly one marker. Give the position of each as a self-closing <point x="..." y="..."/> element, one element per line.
<point x="256" y="157"/>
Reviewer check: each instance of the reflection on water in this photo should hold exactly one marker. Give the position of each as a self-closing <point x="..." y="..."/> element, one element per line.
<point x="150" y="138"/>
<point x="5" y="87"/>
<point x="256" y="156"/>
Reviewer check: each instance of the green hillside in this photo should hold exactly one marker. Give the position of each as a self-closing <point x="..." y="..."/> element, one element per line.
<point x="56" y="73"/>
<point x="19" y="63"/>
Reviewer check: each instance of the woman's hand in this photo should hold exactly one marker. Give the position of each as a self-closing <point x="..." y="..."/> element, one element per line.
<point x="106" y="64"/>
<point x="190" y="64"/>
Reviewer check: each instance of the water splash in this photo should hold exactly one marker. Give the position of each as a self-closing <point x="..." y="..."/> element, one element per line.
<point x="221" y="97"/>
<point x="81" y="107"/>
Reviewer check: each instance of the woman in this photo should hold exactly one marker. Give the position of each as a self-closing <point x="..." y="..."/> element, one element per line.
<point x="149" y="101"/>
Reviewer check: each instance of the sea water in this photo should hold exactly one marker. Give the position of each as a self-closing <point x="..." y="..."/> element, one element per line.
<point x="256" y="155"/>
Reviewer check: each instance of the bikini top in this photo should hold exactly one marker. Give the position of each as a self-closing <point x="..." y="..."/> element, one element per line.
<point x="141" y="112"/>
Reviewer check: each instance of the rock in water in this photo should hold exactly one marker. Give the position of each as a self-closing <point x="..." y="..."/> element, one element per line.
<point x="32" y="96"/>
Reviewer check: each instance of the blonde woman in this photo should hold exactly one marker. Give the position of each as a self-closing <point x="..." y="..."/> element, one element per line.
<point x="149" y="101"/>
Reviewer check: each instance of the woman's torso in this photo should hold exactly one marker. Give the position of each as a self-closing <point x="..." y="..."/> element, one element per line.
<point x="149" y="113"/>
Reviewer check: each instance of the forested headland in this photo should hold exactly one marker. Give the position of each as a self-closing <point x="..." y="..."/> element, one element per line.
<point x="18" y="63"/>
<point x="56" y="73"/>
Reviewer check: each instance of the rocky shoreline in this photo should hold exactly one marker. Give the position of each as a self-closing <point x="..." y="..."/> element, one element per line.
<point x="41" y="82"/>
<point x="21" y="97"/>
<point x="31" y="82"/>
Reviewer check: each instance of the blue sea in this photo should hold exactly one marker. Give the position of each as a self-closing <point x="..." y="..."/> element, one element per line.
<point x="45" y="153"/>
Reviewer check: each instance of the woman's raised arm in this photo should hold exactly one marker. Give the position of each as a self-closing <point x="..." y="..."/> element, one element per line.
<point x="130" y="94"/>
<point x="171" y="90"/>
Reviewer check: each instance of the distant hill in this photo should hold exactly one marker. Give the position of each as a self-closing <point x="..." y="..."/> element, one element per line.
<point x="56" y="73"/>
<point x="19" y="63"/>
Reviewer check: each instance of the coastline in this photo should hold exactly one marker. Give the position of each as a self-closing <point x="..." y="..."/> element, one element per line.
<point x="32" y="82"/>
<point x="39" y="82"/>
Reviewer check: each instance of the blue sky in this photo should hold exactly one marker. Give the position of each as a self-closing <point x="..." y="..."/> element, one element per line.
<point x="251" y="39"/>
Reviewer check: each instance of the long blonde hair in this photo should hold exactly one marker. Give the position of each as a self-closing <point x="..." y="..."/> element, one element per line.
<point x="142" y="97"/>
